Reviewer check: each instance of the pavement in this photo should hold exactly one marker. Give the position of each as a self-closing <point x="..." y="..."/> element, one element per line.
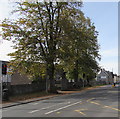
<point x="10" y="103"/>
<point x="96" y="102"/>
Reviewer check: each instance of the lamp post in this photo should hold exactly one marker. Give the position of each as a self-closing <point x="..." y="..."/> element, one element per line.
<point x="47" y="78"/>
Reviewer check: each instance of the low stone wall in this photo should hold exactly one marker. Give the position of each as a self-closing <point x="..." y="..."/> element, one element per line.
<point x="29" y="88"/>
<point x="26" y="88"/>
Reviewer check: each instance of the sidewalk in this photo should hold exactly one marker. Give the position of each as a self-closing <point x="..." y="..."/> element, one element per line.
<point x="10" y="104"/>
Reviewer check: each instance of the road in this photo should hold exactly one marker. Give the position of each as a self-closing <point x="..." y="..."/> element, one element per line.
<point x="98" y="102"/>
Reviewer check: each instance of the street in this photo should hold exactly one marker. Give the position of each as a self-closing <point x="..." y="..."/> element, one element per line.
<point x="98" y="102"/>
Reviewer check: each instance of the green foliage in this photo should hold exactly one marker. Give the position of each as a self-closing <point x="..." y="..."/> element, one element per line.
<point x="79" y="50"/>
<point x="52" y="35"/>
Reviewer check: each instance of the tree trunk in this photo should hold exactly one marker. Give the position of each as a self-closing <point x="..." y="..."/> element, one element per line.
<point x="50" y="74"/>
<point x="64" y="81"/>
<point x="76" y="74"/>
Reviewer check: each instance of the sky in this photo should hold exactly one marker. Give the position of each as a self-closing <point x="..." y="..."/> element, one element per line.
<point x="104" y="15"/>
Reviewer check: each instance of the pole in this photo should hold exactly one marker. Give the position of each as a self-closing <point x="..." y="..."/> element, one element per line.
<point x="46" y="85"/>
<point x="83" y="82"/>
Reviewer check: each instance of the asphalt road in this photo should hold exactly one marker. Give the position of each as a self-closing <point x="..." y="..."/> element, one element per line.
<point x="99" y="102"/>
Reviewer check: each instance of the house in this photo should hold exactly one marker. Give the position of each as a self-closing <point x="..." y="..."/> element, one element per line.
<point x="18" y="79"/>
<point x="116" y="79"/>
<point x="105" y="77"/>
<point x="6" y="78"/>
<point x="17" y="83"/>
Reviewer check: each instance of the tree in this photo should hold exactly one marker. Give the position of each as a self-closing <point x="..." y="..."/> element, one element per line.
<point x="37" y="33"/>
<point x="81" y="42"/>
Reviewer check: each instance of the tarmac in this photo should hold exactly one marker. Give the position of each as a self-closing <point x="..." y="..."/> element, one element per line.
<point x="10" y="104"/>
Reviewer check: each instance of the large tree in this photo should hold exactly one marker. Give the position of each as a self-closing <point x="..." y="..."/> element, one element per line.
<point x="80" y="49"/>
<point x="37" y="33"/>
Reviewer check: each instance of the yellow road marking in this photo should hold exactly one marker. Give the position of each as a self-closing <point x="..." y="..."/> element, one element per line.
<point x="58" y="112"/>
<point x="95" y="103"/>
<point x="82" y="113"/>
<point x="112" y="108"/>
<point x="79" y="111"/>
<point x="90" y="99"/>
<point x="104" y="106"/>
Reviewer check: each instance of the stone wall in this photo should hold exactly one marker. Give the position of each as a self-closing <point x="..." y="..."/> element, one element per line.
<point x="27" y="88"/>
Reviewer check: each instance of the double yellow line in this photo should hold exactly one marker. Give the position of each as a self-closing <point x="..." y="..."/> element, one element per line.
<point x="104" y="106"/>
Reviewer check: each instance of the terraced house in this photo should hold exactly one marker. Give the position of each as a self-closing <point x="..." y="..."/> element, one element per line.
<point x="105" y="77"/>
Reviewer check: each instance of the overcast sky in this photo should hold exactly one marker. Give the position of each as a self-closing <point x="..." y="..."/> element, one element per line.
<point x="105" y="17"/>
